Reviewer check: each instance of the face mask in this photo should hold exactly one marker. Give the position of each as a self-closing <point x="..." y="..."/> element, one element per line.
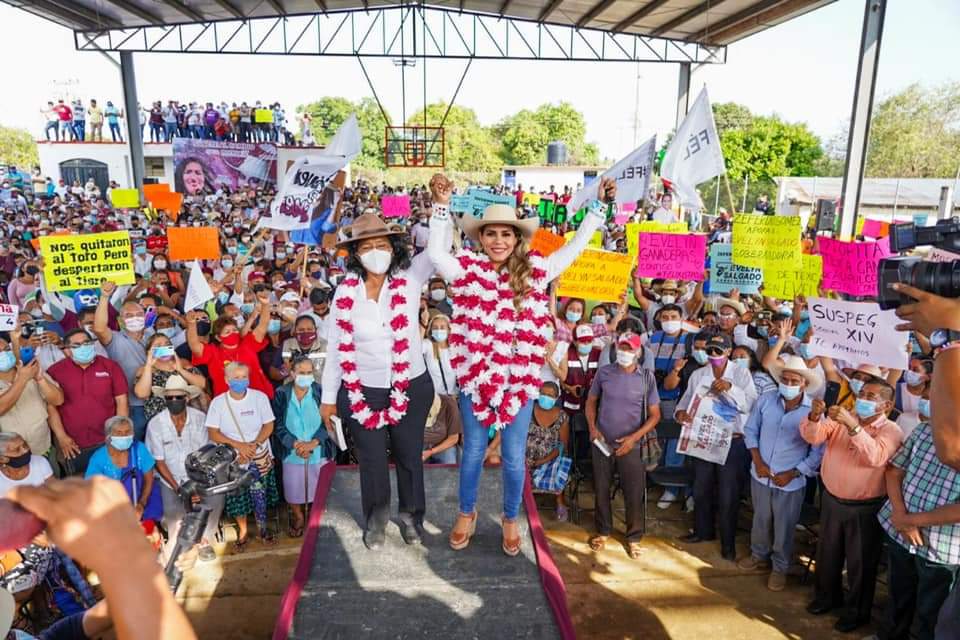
<point x="763" y="331"/>
<point x="306" y="339"/>
<point x="281" y="255"/>
<point x="227" y="264"/>
<point x="668" y="299"/>
<point x="599" y="319"/>
<point x="222" y="297"/>
<point x="743" y="363"/>
<point x="246" y="308"/>
<point x="7" y="360"/>
<point x="804" y="350"/>
<point x="239" y="386"/>
<point x="574" y="316"/>
<point x="121" y="443"/>
<point x="83" y="354"/>
<point x="134" y="324"/>
<point x="717" y="362"/>
<point x="438" y="295"/>
<point x="856" y="385"/>
<point x="176" y="406"/>
<point x="163" y="353"/>
<point x="671" y="326"/>
<point x="700" y="356"/>
<point x="865" y="408"/>
<point x="36" y="313"/>
<point x="585" y="348"/>
<point x="273" y="327"/>
<point x="804" y="315"/>
<point x="140" y="251"/>
<point x="232" y="251"/>
<point x="546" y="402"/>
<point x="203" y="328"/>
<point x="923" y="406"/>
<point x="159" y="264"/>
<point x="20" y="461"/>
<point x="785" y="310"/>
<point x="626" y="358"/>
<point x="789" y="392"/>
<point x="231" y="341"/>
<point x="376" y="261"/>
<point x="913" y="378"/>
<point x="304" y="380"/>
<point x="439" y="335"/>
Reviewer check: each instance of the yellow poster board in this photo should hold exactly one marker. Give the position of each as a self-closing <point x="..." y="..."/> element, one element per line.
<point x="787" y="284"/>
<point x="596" y="275"/>
<point x="767" y="242"/>
<point x="125" y="198"/>
<point x="82" y="262"/>
<point x="596" y="240"/>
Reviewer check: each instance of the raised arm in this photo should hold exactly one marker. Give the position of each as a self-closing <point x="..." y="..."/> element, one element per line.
<point x="559" y="260"/>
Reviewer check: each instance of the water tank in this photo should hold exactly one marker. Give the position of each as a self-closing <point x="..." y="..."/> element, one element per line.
<point x="557" y="153"/>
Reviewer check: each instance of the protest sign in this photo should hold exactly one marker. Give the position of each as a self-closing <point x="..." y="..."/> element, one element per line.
<point x="672" y="255"/>
<point x="531" y="199"/>
<point x="125" y="198"/>
<point x="663" y="227"/>
<point x="262" y="116"/>
<point x="875" y="228"/>
<point x="193" y="243"/>
<point x="461" y="204"/>
<point x="480" y="199"/>
<point x="596" y="275"/>
<point x="709" y="434"/>
<point x="80" y="262"/>
<point x="171" y="202"/>
<point x="546" y="242"/>
<point x="157" y="244"/>
<point x="152" y="190"/>
<point x="596" y="240"/>
<point x="198" y="289"/>
<point x="621" y="216"/>
<point x="694" y="155"/>
<point x="629" y="207"/>
<point x="767" y="242"/>
<point x="395" y="206"/>
<point x="786" y="284"/>
<point x="545" y="210"/>
<point x="8" y="316"/>
<point x="724" y="275"/>
<point x="203" y="166"/>
<point x="858" y="332"/>
<point x="851" y="267"/>
<point x="632" y="175"/>
<point x="303" y="188"/>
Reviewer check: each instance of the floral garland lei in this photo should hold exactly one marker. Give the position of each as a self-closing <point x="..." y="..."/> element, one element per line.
<point x="496" y="350"/>
<point x="400" y="367"/>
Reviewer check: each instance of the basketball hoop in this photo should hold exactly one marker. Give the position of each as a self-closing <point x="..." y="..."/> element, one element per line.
<point x="414" y="147"/>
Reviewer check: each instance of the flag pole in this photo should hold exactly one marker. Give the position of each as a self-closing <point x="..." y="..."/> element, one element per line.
<point x="733" y="204"/>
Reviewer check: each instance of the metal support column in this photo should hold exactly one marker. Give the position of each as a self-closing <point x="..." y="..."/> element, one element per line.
<point x="864" y="89"/>
<point x="131" y="110"/>
<point x="683" y="93"/>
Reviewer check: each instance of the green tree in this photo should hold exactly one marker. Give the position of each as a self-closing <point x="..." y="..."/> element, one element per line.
<point x="17" y="147"/>
<point x="525" y="135"/>
<point x="769" y="147"/>
<point x="469" y="146"/>
<point x="730" y="115"/>
<point x="328" y="113"/>
<point x="372" y="128"/>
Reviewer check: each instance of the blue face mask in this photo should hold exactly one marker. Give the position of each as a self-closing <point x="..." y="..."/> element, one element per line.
<point x="574" y="316"/>
<point x="227" y="264"/>
<point x="923" y="406"/>
<point x="168" y="331"/>
<point x="700" y="356"/>
<point x="273" y="327"/>
<point x="763" y="331"/>
<point x="232" y="251"/>
<point x="7" y="360"/>
<point x="804" y="315"/>
<point x="121" y="443"/>
<point x="585" y="348"/>
<point x="856" y="386"/>
<point x="140" y="250"/>
<point x="83" y="354"/>
<point x="246" y="308"/>
<point x="304" y="380"/>
<point x="239" y="386"/>
<point x="865" y="408"/>
<point x="546" y="402"/>
<point x="912" y="378"/>
<point x="804" y="350"/>
<point x="439" y="335"/>
<point x="789" y="392"/>
<point x="222" y="297"/>
<point x="743" y="363"/>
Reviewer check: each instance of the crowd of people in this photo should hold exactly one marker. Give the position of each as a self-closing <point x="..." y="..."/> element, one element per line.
<point x="387" y="333"/>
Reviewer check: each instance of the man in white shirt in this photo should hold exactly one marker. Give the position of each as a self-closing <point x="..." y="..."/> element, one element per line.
<point x="172" y="435"/>
<point x="664" y="213"/>
<point x="733" y="392"/>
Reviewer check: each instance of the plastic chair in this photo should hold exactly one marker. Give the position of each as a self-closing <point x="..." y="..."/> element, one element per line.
<point x="581" y="470"/>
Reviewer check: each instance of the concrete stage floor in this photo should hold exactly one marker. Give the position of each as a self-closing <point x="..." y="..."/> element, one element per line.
<point x="678" y="591"/>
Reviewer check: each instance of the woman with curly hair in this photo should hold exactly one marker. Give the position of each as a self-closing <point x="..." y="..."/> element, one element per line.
<point x="499" y="330"/>
<point x="193" y="178"/>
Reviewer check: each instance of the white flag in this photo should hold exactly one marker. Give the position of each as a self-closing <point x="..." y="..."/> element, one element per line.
<point x="694" y="155"/>
<point x="631" y="173"/>
<point x="198" y="289"/>
<point x="346" y="141"/>
<point x="302" y="188"/>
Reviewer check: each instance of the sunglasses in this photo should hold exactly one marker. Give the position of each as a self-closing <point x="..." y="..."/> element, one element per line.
<point x="714" y="351"/>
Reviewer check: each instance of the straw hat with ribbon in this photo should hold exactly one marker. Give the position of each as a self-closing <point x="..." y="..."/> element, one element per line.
<point x="498" y="214"/>
<point x="368" y="225"/>
<point x="797" y="365"/>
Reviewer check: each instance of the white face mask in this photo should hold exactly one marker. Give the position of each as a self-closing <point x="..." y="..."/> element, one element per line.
<point x="438" y="295"/>
<point x="668" y="299"/>
<point x="376" y="261"/>
<point x="626" y="358"/>
<point x="671" y="326"/>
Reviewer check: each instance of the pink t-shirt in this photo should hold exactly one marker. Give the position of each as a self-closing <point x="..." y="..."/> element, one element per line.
<point x="17" y="291"/>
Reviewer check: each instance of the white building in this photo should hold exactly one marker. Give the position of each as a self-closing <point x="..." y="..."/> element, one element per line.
<point x="536" y="178"/>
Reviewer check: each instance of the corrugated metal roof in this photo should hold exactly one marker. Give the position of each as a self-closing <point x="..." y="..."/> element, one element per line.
<point x="876" y="192"/>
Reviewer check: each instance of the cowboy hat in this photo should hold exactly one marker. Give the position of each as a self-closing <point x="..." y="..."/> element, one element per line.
<point x="498" y="214"/>
<point x="870" y="369"/>
<point x="797" y="365"/>
<point x="733" y="304"/>
<point x="368" y="225"/>
<point x="176" y="383"/>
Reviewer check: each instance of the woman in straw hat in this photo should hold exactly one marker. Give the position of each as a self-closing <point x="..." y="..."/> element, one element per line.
<point x="499" y="330"/>
<point x="375" y="377"/>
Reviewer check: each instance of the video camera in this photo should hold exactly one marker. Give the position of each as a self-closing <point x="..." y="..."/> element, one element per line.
<point x="939" y="278"/>
<point x="212" y="470"/>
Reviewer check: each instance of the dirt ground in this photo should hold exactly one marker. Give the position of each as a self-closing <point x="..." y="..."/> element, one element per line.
<point x="675" y="590"/>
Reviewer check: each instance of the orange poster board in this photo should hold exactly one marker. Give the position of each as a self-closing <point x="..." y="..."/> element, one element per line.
<point x="546" y="242"/>
<point x="193" y="243"/>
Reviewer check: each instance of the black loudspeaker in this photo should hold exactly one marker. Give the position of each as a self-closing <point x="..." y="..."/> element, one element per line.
<point x="826" y="214"/>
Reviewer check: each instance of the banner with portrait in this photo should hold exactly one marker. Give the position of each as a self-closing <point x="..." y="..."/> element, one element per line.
<point x="203" y="166"/>
<point x="710" y="432"/>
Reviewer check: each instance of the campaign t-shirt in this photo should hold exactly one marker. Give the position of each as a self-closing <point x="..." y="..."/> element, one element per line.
<point x="251" y="413"/>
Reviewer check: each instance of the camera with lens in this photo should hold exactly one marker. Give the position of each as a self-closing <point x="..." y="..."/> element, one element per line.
<point x="938" y="278"/>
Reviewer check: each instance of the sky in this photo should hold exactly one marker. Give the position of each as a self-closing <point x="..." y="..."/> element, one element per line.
<point x="802" y="70"/>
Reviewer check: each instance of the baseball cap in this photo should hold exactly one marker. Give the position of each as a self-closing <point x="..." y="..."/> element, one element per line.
<point x="630" y="339"/>
<point x="583" y="332"/>
<point x="256" y="274"/>
<point x="720" y="340"/>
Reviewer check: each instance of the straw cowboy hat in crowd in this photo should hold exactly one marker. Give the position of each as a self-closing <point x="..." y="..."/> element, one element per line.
<point x="368" y="225"/>
<point x="797" y="365"/>
<point x="498" y="214"/>
<point x="733" y="304"/>
<point x="177" y="384"/>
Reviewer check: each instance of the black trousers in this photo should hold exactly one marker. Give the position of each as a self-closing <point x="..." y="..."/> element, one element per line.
<point x="948" y="623"/>
<point x="917" y="586"/>
<point x="716" y="495"/>
<point x="405" y="441"/>
<point x="851" y="533"/>
<point x="633" y="477"/>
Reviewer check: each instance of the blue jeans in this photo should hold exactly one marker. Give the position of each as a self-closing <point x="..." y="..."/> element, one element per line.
<point x="80" y="129"/>
<point x="196" y="131"/>
<point x="55" y="125"/>
<point x="513" y="449"/>
<point x="139" y="419"/>
<point x="115" y="132"/>
<point x="156" y="132"/>
<point x="169" y="131"/>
